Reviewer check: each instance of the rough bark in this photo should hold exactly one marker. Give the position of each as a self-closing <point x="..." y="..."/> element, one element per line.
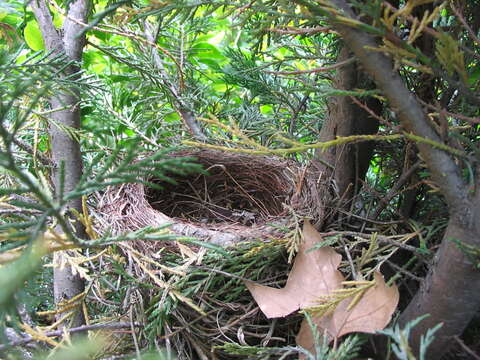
<point x="449" y="292"/>
<point x="345" y="118"/>
<point x="65" y="148"/>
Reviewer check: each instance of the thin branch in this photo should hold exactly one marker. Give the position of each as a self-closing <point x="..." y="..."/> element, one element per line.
<point x="473" y="120"/>
<point x="316" y="70"/>
<point x="290" y="30"/>
<point x="404" y="272"/>
<point x="73" y="43"/>
<point x="466" y="348"/>
<point x="445" y="171"/>
<point x="133" y="127"/>
<point x="130" y="35"/>
<point x="464" y="23"/>
<point x="243" y="8"/>
<point x="372" y="113"/>
<point x="190" y="120"/>
<point x="367" y="219"/>
<point x="18" y="212"/>
<point x="301" y="147"/>
<point x="26" y="147"/>
<point x="296" y="112"/>
<point x="431" y="31"/>
<point x="382" y="239"/>
<point x="457" y="84"/>
<point x="384" y="201"/>
<point x="187" y="115"/>
<point x="56" y="333"/>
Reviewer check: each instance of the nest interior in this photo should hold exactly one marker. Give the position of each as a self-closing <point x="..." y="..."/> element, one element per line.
<point x="236" y="189"/>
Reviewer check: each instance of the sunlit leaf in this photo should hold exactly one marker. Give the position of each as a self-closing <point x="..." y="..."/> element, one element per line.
<point x="33" y="36"/>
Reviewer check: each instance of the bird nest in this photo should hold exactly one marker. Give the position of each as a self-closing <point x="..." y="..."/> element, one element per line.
<point x="206" y="311"/>
<point x="237" y="198"/>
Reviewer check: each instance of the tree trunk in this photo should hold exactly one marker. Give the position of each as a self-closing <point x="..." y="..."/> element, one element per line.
<point x="449" y="293"/>
<point x="65" y="147"/>
<point x="350" y="162"/>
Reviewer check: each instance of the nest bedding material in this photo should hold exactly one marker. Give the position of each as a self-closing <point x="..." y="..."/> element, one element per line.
<point x="236" y="189"/>
<point x="238" y="198"/>
<point x="230" y="316"/>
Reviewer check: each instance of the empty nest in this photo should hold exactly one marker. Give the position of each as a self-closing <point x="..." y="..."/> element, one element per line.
<point x="238" y="197"/>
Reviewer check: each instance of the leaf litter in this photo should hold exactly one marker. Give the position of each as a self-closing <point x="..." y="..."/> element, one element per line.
<point x="316" y="285"/>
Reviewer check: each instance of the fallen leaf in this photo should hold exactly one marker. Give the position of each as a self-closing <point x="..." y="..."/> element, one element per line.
<point x="314" y="277"/>
<point x="373" y="312"/>
<point x="314" y="274"/>
<point x="305" y="337"/>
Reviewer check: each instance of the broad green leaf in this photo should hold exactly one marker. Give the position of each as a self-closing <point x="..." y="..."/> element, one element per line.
<point x="24" y="54"/>
<point x="217" y="39"/>
<point x="11" y="19"/>
<point x="115" y="78"/>
<point x="266" y="109"/>
<point x="172" y="117"/>
<point x="205" y="37"/>
<point x="281" y="53"/>
<point x="33" y="36"/>
<point x="101" y="35"/>
<point x="220" y="87"/>
<point x="212" y="64"/>
<point x="206" y="50"/>
<point x="129" y="132"/>
<point x="58" y="20"/>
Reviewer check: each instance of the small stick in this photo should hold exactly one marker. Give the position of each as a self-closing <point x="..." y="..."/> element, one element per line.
<point x="315" y="70"/>
<point x="466" y="348"/>
<point x="29" y="339"/>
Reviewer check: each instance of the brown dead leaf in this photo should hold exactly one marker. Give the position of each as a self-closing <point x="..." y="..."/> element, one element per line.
<point x="314" y="274"/>
<point x="373" y="312"/>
